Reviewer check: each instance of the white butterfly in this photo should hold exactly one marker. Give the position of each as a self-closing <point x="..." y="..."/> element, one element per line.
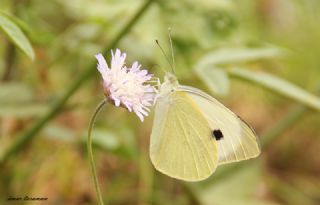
<point x="193" y="133"/>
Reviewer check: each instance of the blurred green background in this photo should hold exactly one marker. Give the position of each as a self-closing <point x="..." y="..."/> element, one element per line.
<point x="260" y="58"/>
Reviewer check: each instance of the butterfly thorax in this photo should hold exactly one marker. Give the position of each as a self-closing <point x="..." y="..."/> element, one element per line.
<point x="168" y="86"/>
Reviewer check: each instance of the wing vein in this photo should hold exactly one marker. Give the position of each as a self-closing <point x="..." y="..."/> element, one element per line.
<point x="203" y="144"/>
<point x="165" y="137"/>
<point x="244" y="152"/>
<point x="190" y="147"/>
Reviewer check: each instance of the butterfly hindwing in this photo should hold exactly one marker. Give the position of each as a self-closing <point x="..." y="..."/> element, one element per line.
<point x="235" y="139"/>
<point x="181" y="145"/>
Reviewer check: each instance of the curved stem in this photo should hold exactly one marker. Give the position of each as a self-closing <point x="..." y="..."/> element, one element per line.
<point x="90" y="153"/>
<point x="27" y="136"/>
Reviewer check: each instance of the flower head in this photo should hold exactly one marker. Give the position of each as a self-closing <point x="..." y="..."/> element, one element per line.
<point x="126" y="86"/>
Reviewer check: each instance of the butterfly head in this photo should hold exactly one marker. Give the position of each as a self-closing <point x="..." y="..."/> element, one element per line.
<point x="169" y="85"/>
<point x="170" y="78"/>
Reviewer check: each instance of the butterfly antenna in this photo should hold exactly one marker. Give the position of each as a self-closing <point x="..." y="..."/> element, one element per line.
<point x="172" y="55"/>
<point x="166" y="57"/>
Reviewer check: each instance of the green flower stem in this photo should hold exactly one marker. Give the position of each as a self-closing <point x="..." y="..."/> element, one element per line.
<point x="29" y="134"/>
<point x="90" y="153"/>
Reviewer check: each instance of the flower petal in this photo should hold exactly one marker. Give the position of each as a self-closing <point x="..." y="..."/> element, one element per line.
<point x="102" y="64"/>
<point x="140" y="116"/>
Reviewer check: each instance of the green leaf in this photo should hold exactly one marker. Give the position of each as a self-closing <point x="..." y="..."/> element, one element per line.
<point x="12" y="30"/>
<point x="105" y="139"/>
<point x="216" y="79"/>
<point x="210" y="71"/>
<point x="236" y="55"/>
<point x="112" y="142"/>
<point x="23" y="110"/>
<point x="15" y="93"/>
<point x="278" y="85"/>
<point x="57" y="131"/>
<point x="18" y="100"/>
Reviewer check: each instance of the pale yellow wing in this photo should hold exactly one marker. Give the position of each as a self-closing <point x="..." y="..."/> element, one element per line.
<point x="181" y="145"/>
<point x="236" y="140"/>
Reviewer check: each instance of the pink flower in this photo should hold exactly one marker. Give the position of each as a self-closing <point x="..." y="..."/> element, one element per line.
<point x="126" y="87"/>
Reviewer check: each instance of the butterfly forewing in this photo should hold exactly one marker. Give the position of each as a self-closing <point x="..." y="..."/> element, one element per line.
<point x="235" y="139"/>
<point x="181" y="145"/>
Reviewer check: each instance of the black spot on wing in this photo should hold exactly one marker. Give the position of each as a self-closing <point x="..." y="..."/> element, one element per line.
<point x="217" y="134"/>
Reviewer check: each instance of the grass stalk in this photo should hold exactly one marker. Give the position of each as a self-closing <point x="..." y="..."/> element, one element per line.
<point x="77" y="83"/>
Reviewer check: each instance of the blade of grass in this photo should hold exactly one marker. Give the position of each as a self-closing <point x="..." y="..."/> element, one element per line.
<point x="237" y="55"/>
<point x="278" y="85"/>
<point x="215" y="78"/>
<point x="209" y="69"/>
<point x="29" y="134"/>
<point x="16" y="35"/>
